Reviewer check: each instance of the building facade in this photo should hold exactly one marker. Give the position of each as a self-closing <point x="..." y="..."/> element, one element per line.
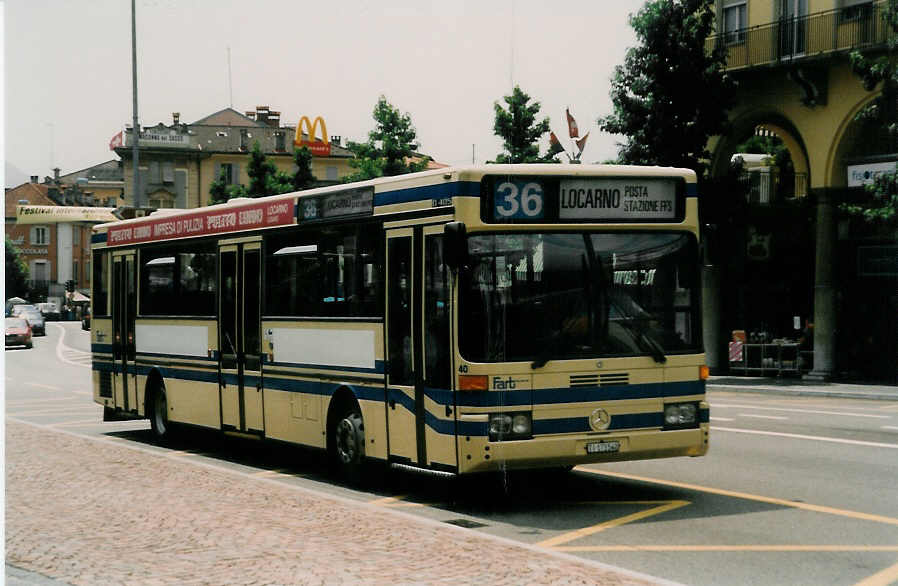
<point x="179" y="162"/>
<point x="798" y="258"/>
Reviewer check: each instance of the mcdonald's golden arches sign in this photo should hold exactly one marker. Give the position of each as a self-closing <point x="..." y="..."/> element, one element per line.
<point x="319" y="147"/>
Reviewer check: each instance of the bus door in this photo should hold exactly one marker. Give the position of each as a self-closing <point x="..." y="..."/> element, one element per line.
<point x="239" y="337"/>
<point x="420" y="402"/>
<point x="124" y="309"/>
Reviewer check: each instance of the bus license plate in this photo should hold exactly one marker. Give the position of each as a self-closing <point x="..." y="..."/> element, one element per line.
<point x="602" y="447"/>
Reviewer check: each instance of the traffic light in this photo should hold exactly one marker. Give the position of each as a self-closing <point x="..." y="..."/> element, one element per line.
<point x="70" y="286"/>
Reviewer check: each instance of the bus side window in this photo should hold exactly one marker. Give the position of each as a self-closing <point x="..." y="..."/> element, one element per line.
<point x="437" y="350"/>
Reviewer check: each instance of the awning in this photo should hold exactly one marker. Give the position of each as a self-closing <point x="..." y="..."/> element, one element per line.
<point x="80" y="298"/>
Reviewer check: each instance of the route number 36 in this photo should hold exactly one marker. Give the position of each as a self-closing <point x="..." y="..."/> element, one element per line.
<point x="519" y="200"/>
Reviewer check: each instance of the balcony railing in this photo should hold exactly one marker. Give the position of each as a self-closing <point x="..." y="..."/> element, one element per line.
<point x="791" y="39"/>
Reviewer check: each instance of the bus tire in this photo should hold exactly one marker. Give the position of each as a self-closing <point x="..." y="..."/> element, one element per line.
<point x="158" y="413"/>
<point x="349" y="445"/>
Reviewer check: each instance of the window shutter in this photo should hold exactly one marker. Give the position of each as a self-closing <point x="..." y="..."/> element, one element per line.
<point x="180" y="177"/>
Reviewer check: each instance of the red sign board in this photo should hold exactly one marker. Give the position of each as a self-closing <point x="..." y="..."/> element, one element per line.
<point x="317" y="148"/>
<point x="203" y="223"/>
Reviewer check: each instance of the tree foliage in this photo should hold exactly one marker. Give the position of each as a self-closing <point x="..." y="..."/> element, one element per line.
<point x="302" y="178"/>
<point x="519" y="130"/>
<point x="880" y="114"/>
<point x="16" y="271"/>
<point x="671" y="94"/>
<point x="390" y="148"/>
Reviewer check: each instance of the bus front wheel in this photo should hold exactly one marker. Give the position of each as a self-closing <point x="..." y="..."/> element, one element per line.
<point x="349" y="444"/>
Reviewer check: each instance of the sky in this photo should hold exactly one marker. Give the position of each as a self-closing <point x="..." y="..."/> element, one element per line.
<point x="67" y="69"/>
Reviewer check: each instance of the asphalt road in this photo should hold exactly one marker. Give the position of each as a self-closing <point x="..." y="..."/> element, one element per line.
<point x="795" y="490"/>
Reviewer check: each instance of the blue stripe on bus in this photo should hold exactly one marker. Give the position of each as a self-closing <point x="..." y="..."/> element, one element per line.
<point x="443" y="190"/>
<point x="568" y="395"/>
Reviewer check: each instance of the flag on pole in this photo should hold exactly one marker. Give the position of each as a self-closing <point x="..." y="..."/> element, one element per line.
<point x="571" y="124"/>
<point x="554" y="144"/>
<point x="581" y="143"/>
<point x="115" y="142"/>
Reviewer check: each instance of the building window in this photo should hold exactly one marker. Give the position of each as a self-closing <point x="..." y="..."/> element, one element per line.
<point x="331" y="173"/>
<point x="244" y="139"/>
<point x="227" y="171"/>
<point x="40" y="235"/>
<point x="735" y="23"/>
<point x="161" y="199"/>
<point x="280" y="141"/>
<point x="40" y="271"/>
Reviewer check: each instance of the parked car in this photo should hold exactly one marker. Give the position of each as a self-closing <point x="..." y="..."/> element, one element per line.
<point x="17" y="310"/>
<point x="85" y="320"/>
<point x="49" y="310"/>
<point x="36" y="320"/>
<point x="18" y="332"/>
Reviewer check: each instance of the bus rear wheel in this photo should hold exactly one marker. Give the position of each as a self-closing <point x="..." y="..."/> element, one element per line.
<point x="349" y="445"/>
<point x="158" y="413"/>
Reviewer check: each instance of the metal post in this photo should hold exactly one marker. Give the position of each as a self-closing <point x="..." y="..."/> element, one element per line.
<point x="135" y="128"/>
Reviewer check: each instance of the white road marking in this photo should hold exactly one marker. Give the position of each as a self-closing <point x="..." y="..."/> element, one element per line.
<point x="834" y="413"/>
<point x="808" y="437"/>
<point x="890" y="427"/>
<point x="39" y="385"/>
<point x="62" y="351"/>
<point x="722" y="419"/>
<point x="764" y="416"/>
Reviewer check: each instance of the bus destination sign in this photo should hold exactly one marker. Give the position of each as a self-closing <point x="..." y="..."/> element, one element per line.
<point x="204" y="223"/>
<point x="357" y="201"/>
<point x="633" y="199"/>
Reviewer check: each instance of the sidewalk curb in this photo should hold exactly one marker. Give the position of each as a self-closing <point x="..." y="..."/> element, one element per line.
<point x="797" y="390"/>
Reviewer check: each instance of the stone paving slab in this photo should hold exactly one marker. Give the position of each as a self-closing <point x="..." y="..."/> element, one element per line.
<point x="87" y="511"/>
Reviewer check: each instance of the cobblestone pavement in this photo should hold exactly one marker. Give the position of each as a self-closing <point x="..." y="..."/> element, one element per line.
<point x="86" y="511"/>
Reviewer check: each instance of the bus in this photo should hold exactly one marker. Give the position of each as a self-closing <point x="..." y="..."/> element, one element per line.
<point x="456" y="321"/>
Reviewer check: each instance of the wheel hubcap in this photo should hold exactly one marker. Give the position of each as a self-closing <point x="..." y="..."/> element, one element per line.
<point x="346" y="441"/>
<point x="161" y="412"/>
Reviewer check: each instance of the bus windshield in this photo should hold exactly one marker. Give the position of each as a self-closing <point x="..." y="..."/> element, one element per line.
<point x="548" y="296"/>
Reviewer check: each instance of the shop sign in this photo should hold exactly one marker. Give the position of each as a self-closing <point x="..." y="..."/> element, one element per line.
<point x="865" y="174"/>
<point x="318" y="147"/>
<point x="51" y="214"/>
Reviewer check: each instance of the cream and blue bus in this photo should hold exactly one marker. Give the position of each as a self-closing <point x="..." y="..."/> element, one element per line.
<point x="455" y="321"/>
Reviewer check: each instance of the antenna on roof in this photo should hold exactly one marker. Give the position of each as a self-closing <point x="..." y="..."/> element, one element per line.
<point x="230" y="87"/>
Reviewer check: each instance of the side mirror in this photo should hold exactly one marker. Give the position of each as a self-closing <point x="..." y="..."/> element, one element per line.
<point x="456" y="244"/>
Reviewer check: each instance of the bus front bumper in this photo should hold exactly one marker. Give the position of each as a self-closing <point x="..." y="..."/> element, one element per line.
<point x="478" y="454"/>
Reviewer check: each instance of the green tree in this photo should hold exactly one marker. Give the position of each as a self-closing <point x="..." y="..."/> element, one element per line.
<point x="16" y="272"/>
<point x="671" y="94"/>
<point x="880" y="119"/>
<point x="302" y="177"/>
<point x="390" y="148"/>
<point x="262" y="173"/>
<point x="221" y="190"/>
<point x="519" y="130"/>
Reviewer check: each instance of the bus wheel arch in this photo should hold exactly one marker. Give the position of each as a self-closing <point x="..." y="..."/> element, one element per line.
<point x="346" y="434"/>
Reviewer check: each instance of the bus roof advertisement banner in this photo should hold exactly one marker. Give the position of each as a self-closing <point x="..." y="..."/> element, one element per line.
<point x="633" y="199"/>
<point x="204" y="223"/>
<point x="29" y="214"/>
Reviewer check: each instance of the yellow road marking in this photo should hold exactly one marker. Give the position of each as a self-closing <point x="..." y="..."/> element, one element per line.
<point x="747" y="496"/>
<point x="733" y="548"/>
<point x="395" y="501"/>
<point x="887" y="576"/>
<point x="270" y="473"/>
<point x="586" y="531"/>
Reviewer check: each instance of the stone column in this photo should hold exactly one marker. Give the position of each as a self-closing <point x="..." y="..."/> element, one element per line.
<point x="711" y="317"/>
<point x="824" y="288"/>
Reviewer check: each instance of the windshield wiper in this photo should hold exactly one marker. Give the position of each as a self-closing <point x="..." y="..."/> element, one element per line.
<point x="645" y="342"/>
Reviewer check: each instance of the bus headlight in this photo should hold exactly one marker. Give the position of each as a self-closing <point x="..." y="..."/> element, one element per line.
<point x="680" y="415"/>
<point x="510" y="426"/>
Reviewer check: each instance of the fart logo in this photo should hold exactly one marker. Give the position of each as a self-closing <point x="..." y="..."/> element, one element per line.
<point x="318" y="147"/>
<point x="509" y="383"/>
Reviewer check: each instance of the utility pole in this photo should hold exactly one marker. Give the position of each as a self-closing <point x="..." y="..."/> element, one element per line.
<point x="135" y="128"/>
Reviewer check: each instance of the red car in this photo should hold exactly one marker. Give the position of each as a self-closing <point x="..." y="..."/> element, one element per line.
<point x="18" y="332"/>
